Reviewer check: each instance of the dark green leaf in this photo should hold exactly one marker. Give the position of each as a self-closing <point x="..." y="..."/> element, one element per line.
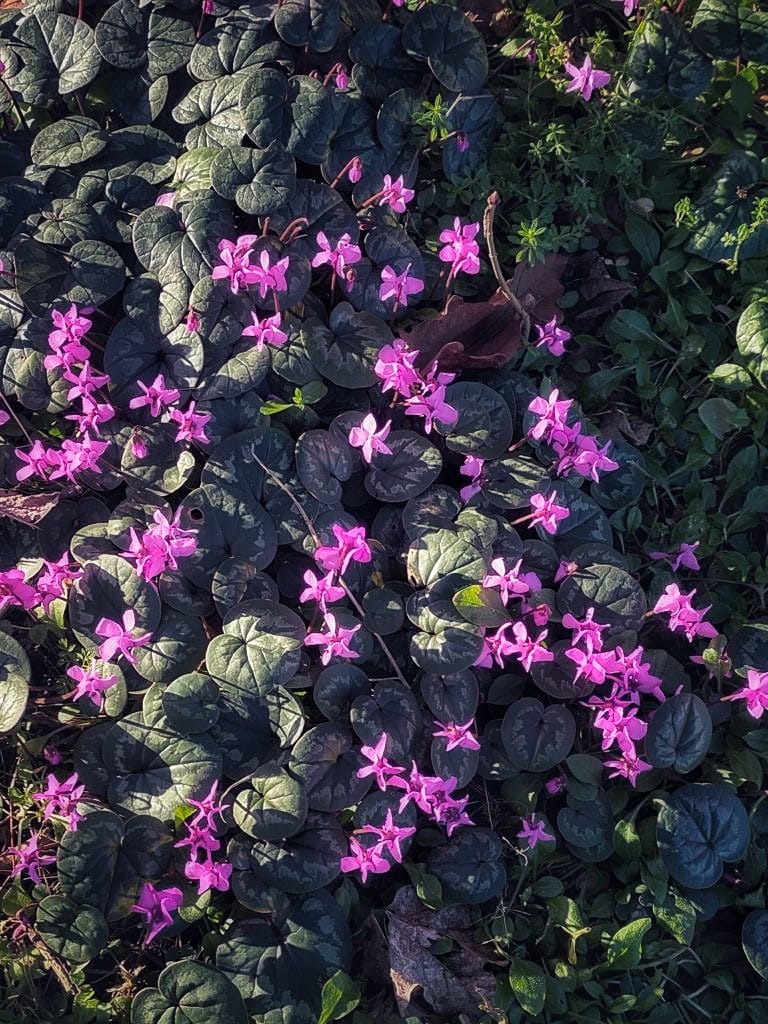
<point x="537" y="738"/>
<point x="679" y="733"/>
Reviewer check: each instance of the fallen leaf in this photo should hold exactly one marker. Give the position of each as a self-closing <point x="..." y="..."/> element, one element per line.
<point x="485" y="335"/>
<point x="449" y="989"/>
<point x="27" y="509"/>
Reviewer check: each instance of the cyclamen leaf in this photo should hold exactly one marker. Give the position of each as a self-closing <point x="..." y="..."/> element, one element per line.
<point x="58" y="55"/>
<point x="191" y="991"/>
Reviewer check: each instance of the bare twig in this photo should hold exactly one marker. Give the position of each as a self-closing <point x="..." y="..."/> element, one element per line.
<point x="490" y="213"/>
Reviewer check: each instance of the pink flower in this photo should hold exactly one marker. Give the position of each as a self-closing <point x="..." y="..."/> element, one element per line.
<point x="351" y="546"/>
<point x="527" y="648"/>
<point x="14" y="590"/>
<point x="586" y="78"/>
<point x="90" y="684"/>
<point x="628" y="766"/>
<point x="458" y="735"/>
<point x="534" y="832"/>
<point x="321" y="590"/>
<point x="84" y="382"/>
<point x="267" y="276"/>
<point x="208" y="875"/>
<point x="552" y="336"/>
<point x="395" y="368"/>
<point x="556" y="784"/>
<point x="629" y="6"/>
<point x="683" y="617"/>
<point x="160" y="545"/>
<point x="399" y="286"/>
<point x="452" y="813"/>
<point x="510" y="582"/>
<point x="119" y="638"/>
<point x="207" y="808"/>
<point x="266" y="331"/>
<point x="462" y="142"/>
<point x="355" y="172"/>
<point x="335" y="640"/>
<point x="61" y="798"/>
<point x="546" y="513"/>
<point x="431" y="404"/>
<point x="29" y="859"/>
<point x="472" y="467"/>
<point x="755" y="693"/>
<point x="395" y="194"/>
<point x="552" y="415"/>
<point x="460" y="249"/>
<point x="365" y="860"/>
<point x="199" y="838"/>
<point x="340" y="256"/>
<point x="379" y="767"/>
<point x="367" y="438"/>
<point x="586" y="629"/>
<point x="390" y="836"/>
<point x="235" y="262"/>
<point x="4" y="417"/>
<point x="157" y="905"/>
<point x="191" y="424"/>
<point x="166" y="199"/>
<point x="156" y="396"/>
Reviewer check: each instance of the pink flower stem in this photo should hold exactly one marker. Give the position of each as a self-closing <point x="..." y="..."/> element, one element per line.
<point x="293" y="230"/>
<point x="342" y="173"/>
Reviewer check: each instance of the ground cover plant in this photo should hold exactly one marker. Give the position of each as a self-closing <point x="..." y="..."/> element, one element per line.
<point x="382" y="558"/>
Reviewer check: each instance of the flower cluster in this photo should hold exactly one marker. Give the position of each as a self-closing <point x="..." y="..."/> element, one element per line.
<point x="160" y="545"/>
<point x="576" y="452"/>
<point x="200" y="838"/>
<point x="460" y="248"/>
<point x="60" y="799"/>
<point x="423" y="393"/>
<point x="334" y="559"/>
<point x="429" y="793"/>
<point x="683" y="617"/>
<point x="237" y="268"/>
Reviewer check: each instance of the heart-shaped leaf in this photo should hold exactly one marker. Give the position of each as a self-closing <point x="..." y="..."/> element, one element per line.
<point x="701" y="826"/>
<point x="188" y="992"/>
<point x="679" y="733"/>
<point x="537" y="738"/>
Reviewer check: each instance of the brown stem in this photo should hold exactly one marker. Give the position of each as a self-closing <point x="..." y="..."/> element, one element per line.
<point x="490" y="213"/>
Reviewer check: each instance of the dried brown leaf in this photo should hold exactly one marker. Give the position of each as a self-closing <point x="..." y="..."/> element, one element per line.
<point x="415" y="972"/>
<point x="27" y="509"/>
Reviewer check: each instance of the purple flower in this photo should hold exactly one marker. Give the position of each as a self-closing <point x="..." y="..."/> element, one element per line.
<point x="266" y="331"/>
<point x="379" y="767"/>
<point x="755" y="693"/>
<point x="191" y="424"/>
<point x="452" y="813"/>
<point x="61" y="798"/>
<point x="552" y="336"/>
<point x="533" y="832"/>
<point x="322" y="590"/>
<point x="29" y="859"/>
<point x="395" y="194"/>
<point x="460" y="249"/>
<point x="395" y="368"/>
<point x="586" y="78"/>
<point x="355" y="172"/>
<point x="350" y="546"/>
<point x="267" y="276"/>
<point x="157" y="905"/>
<point x="14" y="590"/>
<point x="546" y="513"/>
<point x="345" y="253"/>
<point x="208" y="875"/>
